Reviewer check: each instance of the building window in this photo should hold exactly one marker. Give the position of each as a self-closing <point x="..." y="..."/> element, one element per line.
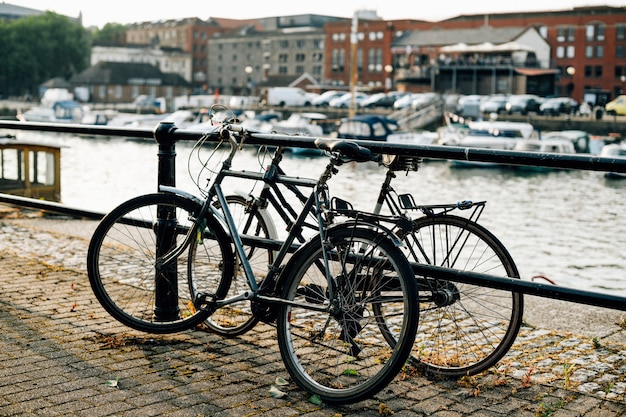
<point x="118" y="91"/>
<point x="300" y="57"/>
<point x="619" y="51"/>
<point x="597" y="71"/>
<point x="283" y="44"/>
<point x="589" y="51"/>
<point x="359" y="60"/>
<point x="599" y="51"/>
<point x="571" y="51"/>
<point x="317" y="57"/>
<point x="317" y="70"/>
<point x="588" y="71"/>
<point x="301" y="44"/>
<point x="560" y="34"/>
<point x="282" y="69"/>
<point x="300" y="69"/>
<point x="619" y="32"/>
<point x="318" y="44"/>
<point x="283" y="58"/>
<point x="594" y="32"/>
<point x="560" y="51"/>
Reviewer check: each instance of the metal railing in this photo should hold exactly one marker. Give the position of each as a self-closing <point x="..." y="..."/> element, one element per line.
<point x="167" y="134"/>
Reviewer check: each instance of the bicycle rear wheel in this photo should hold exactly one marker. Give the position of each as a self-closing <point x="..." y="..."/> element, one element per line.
<point x="122" y="256"/>
<point x="464" y="329"/>
<point x="328" y="337"/>
<point x="237" y="318"/>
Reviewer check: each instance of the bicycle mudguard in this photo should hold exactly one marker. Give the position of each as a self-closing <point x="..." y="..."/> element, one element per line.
<point x="180" y="192"/>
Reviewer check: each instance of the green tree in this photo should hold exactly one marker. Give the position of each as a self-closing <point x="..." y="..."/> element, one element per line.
<point x="111" y="34"/>
<point x="37" y="48"/>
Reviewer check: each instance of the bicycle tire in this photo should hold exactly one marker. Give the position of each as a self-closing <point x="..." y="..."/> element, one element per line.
<point x="237" y="318"/>
<point x="122" y="256"/>
<point x="341" y="356"/>
<point x="464" y="329"/>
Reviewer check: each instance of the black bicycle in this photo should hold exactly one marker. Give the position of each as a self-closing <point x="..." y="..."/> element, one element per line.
<point x="464" y="328"/>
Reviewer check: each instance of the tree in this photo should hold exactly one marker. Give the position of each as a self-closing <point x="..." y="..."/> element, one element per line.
<point x="37" y="48"/>
<point x="111" y="34"/>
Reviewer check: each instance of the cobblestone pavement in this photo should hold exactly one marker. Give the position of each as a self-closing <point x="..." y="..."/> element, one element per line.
<point x="61" y="354"/>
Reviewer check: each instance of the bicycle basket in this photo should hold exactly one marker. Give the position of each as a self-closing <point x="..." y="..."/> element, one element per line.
<point x="401" y="162"/>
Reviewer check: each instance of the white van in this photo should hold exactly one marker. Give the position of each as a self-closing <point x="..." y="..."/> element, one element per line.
<point x="287" y="96"/>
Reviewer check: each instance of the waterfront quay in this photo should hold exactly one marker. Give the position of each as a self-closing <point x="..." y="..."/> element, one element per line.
<point x="62" y="354"/>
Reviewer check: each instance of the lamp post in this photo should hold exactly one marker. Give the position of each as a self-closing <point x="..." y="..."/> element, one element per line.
<point x="388" y="79"/>
<point x="570" y="85"/>
<point x="249" y="83"/>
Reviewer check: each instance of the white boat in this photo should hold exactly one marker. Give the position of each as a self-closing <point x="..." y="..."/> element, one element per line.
<point x="550" y="145"/>
<point x="490" y="135"/>
<point x="64" y="111"/>
<point x="616" y="151"/>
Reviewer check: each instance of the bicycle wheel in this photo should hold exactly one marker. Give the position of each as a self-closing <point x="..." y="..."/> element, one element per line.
<point x="237" y="318"/>
<point x="464" y="329"/>
<point x="328" y="337"/>
<point x="121" y="263"/>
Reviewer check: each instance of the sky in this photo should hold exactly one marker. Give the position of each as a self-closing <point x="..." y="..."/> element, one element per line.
<point x="98" y="13"/>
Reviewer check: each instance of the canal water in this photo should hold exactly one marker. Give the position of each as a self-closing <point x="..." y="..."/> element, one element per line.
<point x="568" y="226"/>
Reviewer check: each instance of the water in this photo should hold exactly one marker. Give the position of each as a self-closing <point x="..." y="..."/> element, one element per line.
<point x="564" y="225"/>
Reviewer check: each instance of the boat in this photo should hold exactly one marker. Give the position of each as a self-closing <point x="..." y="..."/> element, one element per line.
<point x="299" y="124"/>
<point x="562" y="146"/>
<point x="57" y="106"/>
<point x="489" y="134"/>
<point x="30" y="169"/>
<point x="64" y="111"/>
<point x="616" y="151"/>
<point x="381" y="128"/>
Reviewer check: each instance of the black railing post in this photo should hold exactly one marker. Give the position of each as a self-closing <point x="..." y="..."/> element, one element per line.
<point x="166" y="279"/>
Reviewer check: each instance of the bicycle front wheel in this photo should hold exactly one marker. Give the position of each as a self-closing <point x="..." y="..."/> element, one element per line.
<point x="328" y="335"/>
<point x="464" y="328"/>
<point x="122" y="258"/>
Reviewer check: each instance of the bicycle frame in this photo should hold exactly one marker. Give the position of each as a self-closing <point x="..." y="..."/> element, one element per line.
<point x="317" y="202"/>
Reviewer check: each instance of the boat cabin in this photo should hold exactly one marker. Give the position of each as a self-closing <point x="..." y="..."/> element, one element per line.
<point x="30" y="169"/>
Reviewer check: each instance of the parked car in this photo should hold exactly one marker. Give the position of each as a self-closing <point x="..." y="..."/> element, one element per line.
<point x="469" y="106"/>
<point x="494" y="104"/>
<point x="344" y="101"/>
<point x="405" y="101"/>
<point x="558" y="105"/>
<point x="523" y="104"/>
<point x="617" y="106"/>
<point x="323" y="99"/>
<point x="384" y="100"/>
<point x="287" y="96"/>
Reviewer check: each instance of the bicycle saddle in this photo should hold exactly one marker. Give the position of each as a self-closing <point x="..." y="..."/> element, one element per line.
<point x="348" y="149"/>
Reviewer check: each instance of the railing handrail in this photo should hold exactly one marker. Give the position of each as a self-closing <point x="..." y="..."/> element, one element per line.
<point x="574" y="161"/>
<point x="166" y="134"/>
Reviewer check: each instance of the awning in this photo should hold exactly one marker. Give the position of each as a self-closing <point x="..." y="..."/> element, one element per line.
<point x="530" y="72"/>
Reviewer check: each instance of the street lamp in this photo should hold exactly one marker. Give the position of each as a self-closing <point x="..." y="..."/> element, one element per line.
<point x="388" y="81"/>
<point x="250" y="84"/>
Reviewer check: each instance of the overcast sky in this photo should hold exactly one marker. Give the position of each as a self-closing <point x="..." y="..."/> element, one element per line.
<point x="100" y="12"/>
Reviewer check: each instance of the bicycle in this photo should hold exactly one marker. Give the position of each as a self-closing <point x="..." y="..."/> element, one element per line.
<point x="164" y="262"/>
<point x="464" y="329"/>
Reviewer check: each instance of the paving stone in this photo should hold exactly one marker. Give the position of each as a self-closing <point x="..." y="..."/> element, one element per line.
<point x="54" y="358"/>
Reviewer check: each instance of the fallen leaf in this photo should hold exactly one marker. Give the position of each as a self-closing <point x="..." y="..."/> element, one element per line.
<point x="281" y="381"/>
<point x="315" y="399"/>
<point x="276" y="393"/>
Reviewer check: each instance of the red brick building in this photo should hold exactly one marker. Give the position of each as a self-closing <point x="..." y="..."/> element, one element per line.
<point x="588" y="48"/>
